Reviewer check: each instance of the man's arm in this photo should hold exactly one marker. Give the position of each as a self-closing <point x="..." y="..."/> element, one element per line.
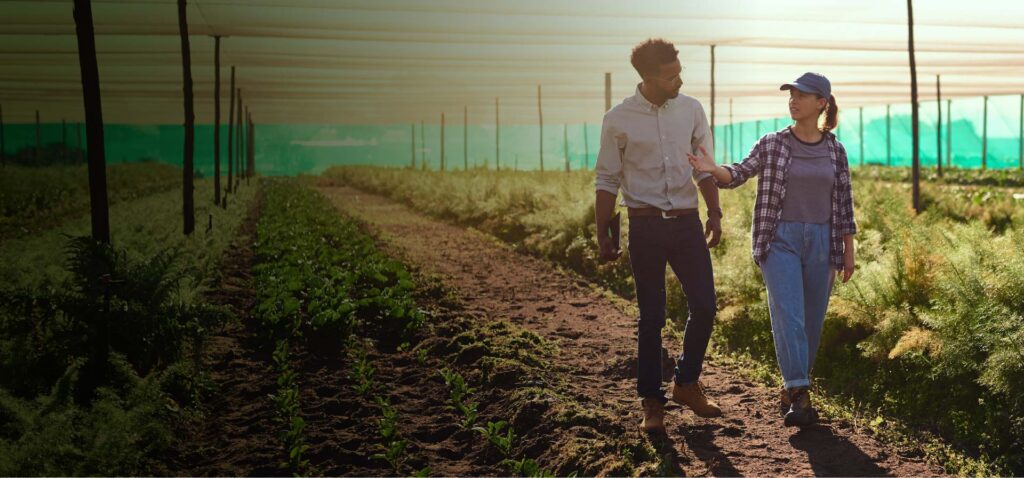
<point x="703" y="140"/>
<point x="713" y="227"/>
<point x="604" y="206"/>
<point x="608" y="173"/>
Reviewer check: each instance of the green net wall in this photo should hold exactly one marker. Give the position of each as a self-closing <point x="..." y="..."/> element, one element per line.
<point x="881" y="135"/>
<point x="870" y="134"/>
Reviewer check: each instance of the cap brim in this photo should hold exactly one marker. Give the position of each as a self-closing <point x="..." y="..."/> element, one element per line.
<point x="798" y="86"/>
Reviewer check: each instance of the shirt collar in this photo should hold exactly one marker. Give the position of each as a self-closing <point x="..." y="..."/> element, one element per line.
<point x="639" y="99"/>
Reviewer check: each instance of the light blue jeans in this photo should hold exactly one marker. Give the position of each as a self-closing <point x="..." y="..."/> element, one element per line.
<point x="799" y="279"/>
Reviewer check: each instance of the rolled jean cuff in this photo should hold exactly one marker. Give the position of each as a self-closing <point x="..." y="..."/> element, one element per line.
<point x="803" y="382"/>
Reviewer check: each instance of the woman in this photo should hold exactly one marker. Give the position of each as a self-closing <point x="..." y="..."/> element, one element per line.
<point x="802" y="230"/>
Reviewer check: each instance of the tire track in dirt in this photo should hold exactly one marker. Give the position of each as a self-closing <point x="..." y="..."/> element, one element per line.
<point x="597" y="340"/>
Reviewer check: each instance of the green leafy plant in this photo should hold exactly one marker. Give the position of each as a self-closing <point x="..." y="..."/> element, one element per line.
<point x="502" y="440"/>
<point x="394" y="446"/>
<point x="288" y="412"/>
<point x="362" y="373"/>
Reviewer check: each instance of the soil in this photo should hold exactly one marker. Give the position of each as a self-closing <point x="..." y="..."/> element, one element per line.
<point x="596" y="336"/>
<point x="545" y="350"/>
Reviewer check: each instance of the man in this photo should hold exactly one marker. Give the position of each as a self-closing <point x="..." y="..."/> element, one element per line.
<point x="644" y="146"/>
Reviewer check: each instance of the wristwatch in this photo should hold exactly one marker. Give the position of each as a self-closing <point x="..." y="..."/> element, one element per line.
<point x="716" y="210"/>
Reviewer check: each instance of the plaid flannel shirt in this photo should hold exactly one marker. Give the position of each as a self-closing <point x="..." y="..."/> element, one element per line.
<point x="770" y="158"/>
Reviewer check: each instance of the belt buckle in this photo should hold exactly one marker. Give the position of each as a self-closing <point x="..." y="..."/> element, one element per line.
<point x="665" y="216"/>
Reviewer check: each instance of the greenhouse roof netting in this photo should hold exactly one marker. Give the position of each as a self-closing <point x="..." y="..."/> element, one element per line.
<point x="406" y="61"/>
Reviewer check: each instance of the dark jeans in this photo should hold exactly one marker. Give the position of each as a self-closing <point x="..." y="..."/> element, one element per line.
<point x="679" y="242"/>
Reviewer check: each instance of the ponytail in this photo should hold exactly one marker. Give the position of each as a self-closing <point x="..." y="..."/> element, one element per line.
<point x="831" y="111"/>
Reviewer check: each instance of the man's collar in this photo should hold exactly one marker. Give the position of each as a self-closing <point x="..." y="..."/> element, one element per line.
<point x="641" y="100"/>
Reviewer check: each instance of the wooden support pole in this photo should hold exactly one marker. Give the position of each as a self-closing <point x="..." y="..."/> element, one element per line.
<point x="250" y="168"/>
<point x="938" y="124"/>
<point x="90" y="76"/>
<point x="216" y="119"/>
<point x="3" y="142"/>
<point x="732" y="134"/>
<point x="465" y="138"/>
<point x="565" y="144"/>
<point x="888" y="136"/>
<point x="984" y="135"/>
<point x="949" y="133"/>
<point x="497" y="137"/>
<point x="39" y="140"/>
<point x="187" y="204"/>
<point x="915" y="123"/>
<point x="442" y="142"/>
<point x="586" y="147"/>
<point x="231" y="127"/>
<point x="238" y="142"/>
<point x="861" y="135"/>
<point x="714" y="136"/>
<point x="540" y="116"/>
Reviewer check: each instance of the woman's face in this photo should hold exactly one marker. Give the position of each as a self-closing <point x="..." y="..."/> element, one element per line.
<point x="804" y="105"/>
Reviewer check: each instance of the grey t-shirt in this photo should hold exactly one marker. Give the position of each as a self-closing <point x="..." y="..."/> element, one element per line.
<point x="808" y="183"/>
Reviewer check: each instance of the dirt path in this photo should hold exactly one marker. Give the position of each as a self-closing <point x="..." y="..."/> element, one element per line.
<point x="597" y="342"/>
<point x="238" y="436"/>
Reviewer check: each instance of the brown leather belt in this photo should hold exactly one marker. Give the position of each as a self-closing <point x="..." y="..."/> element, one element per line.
<point x="655" y="212"/>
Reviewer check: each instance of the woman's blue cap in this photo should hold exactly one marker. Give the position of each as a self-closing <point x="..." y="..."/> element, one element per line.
<point x="814" y="83"/>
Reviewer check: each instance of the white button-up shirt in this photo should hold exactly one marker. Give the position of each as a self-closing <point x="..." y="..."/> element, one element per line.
<point x="643" y="151"/>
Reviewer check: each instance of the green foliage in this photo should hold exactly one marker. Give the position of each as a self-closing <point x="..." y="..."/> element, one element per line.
<point x="134" y="304"/>
<point x="990" y="177"/>
<point x="320" y="278"/>
<point x="142" y="228"/>
<point x="286" y="402"/>
<point x="362" y="372"/>
<point x="459" y="391"/>
<point x="495" y="434"/>
<point x="393" y="447"/>
<point x="929" y="329"/>
<point x="119" y="433"/>
<point x="318" y="273"/>
<point x="145" y="292"/>
<point x="31" y="197"/>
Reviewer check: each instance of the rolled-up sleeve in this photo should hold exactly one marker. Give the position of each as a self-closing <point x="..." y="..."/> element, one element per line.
<point x="747" y="168"/>
<point x="609" y="158"/>
<point x="702" y="138"/>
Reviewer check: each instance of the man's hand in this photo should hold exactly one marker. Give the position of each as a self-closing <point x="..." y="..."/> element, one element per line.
<point x="713" y="228"/>
<point x="607" y="252"/>
<point x="848" y="263"/>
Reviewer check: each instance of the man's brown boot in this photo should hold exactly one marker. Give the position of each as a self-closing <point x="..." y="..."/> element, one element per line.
<point x="692" y="395"/>
<point x="654" y="416"/>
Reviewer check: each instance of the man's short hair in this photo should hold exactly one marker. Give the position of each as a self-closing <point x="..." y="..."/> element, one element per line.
<point x="648" y="56"/>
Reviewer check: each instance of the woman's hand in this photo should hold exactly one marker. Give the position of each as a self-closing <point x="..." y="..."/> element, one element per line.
<point x="848" y="263"/>
<point x="703" y="163"/>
